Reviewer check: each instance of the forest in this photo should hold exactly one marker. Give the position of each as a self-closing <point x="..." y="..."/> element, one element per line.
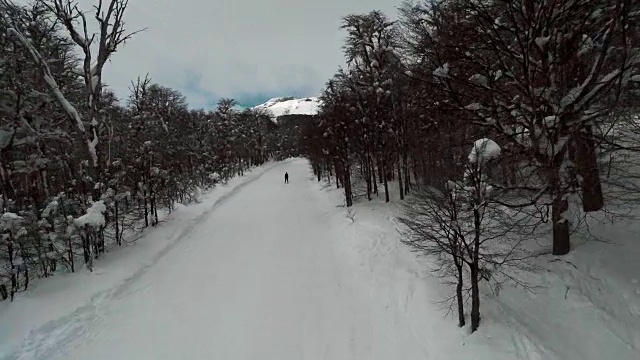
<point x="501" y="119"/>
<point x="81" y="169"/>
<point x="495" y="120"/>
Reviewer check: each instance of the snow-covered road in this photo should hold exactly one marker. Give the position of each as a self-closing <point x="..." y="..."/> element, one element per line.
<point x="263" y="270"/>
<point x="254" y="279"/>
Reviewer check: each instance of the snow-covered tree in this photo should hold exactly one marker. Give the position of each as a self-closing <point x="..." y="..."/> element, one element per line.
<point x="152" y="152"/>
<point x="541" y="76"/>
<point x="369" y="50"/>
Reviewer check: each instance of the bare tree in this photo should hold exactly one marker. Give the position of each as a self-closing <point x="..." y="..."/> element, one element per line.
<point x="429" y="219"/>
<point x="110" y="36"/>
<point x="462" y="223"/>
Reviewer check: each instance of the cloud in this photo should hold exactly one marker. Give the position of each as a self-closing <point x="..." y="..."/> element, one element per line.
<point x="234" y="48"/>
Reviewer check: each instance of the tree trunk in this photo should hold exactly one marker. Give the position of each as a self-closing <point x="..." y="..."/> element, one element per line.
<point x="415" y="170"/>
<point x="560" y="204"/>
<point x="346" y="177"/>
<point x="86" y="247"/>
<point x="14" y="270"/>
<point x="475" y="297"/>
<point x="400" y="184"/>
<point x="587" y="166"/>
<point x="24" y="267"/>
<point x="70" y="255"/>
<point x="425" y="172"/>
<point x="373" y="177"/>
<point x="146" y="209"/>
<point x="407" y="173"/>
<point x="474" y="269"/>
<point x="561" y="236"/>
<point x="459" y="296"/>
<point x="366" y="167"/>
<point x="386" y="186"/>
<point x="347" y="186"/>
<point x="155" y="211"/>
<point x="117" y="223"/>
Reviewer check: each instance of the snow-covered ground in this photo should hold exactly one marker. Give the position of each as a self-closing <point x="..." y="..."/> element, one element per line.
<point x="585" y="305"/>
<point x="266" y="270"/>
<point x="303" y="106"/>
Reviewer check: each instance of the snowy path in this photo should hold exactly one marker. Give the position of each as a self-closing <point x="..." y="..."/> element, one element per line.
<point x="255" y="279"/>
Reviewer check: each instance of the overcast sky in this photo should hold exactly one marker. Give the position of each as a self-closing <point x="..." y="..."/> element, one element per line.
<point x="250" y="50"/>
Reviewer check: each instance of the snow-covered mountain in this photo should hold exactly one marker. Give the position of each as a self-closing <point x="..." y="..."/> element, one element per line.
<point x="288" y="106"/>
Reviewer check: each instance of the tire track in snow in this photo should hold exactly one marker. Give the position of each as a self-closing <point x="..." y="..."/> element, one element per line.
<point x="57" y="337"/>
<point x="184" y="233"/>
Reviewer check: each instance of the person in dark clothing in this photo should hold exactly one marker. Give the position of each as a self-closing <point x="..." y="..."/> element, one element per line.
<point x="286" y="178"/>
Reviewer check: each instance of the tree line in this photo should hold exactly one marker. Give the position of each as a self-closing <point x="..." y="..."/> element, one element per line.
<point x="552" y="84"/>
<point x="81" y="169"/>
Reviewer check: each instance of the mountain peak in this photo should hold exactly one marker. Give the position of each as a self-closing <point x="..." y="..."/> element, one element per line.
<point x="290" y="106"/>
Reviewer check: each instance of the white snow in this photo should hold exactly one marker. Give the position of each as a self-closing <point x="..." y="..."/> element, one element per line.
<point x="542" y="41"/>
<point x="9" y="216"/>
<point x="94" y="216"/>
<point x="11" y="221"/>
<point x="442" y="71"/>
<point x="550" y="121"/>
<point x="479" y="79"/>
<point x="473" y="107"/>
<point x="303" y="106"/>
<point x="585" y="305"/>
<point x="484" y="150"/>
<point x="266" y="270"/>
<point x="52" y="206"/>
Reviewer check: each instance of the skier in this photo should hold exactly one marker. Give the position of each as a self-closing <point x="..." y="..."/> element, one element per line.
<point x="286" y="177"/>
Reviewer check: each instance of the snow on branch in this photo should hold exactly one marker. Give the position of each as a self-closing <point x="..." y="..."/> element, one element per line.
<point x="442" y="71"/>
<point x="483" y="151"/>
<point x="53" y="85"/>
<point x="94" y="216"/>
<point x="46" y="73"/>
